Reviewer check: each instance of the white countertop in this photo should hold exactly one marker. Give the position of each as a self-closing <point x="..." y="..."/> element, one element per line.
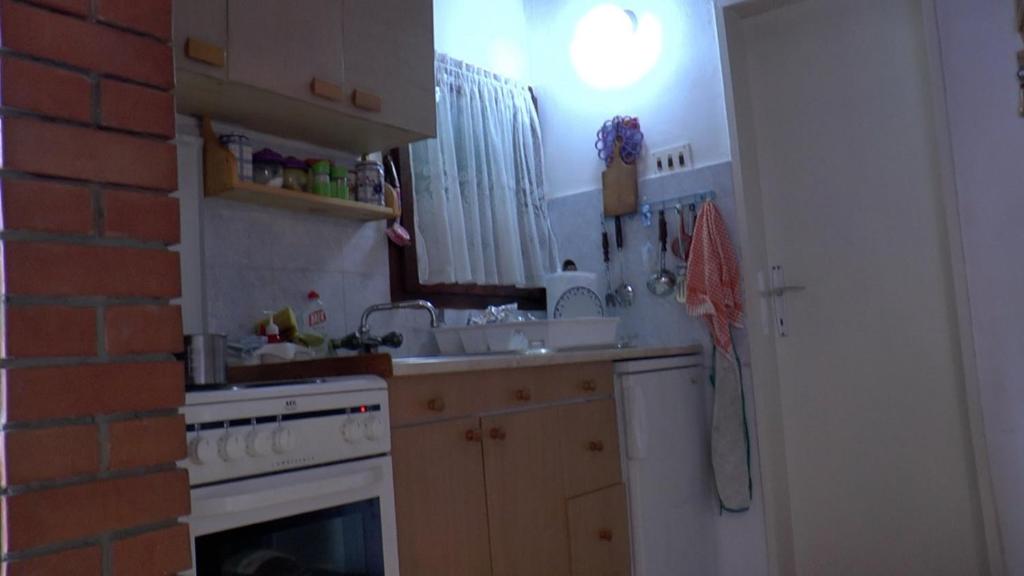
<point x="449" y="364"/>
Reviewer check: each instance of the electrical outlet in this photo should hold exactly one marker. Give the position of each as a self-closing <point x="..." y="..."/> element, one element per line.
<point x="669" y="160"/>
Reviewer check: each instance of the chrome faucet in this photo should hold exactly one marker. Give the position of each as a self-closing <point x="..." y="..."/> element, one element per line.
<point x="364" y="341"/>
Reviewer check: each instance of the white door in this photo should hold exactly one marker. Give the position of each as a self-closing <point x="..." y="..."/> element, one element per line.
<point x="866" y="443"/>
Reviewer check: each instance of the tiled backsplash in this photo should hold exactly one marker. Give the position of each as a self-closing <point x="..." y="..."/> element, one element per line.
<point x="652" y="320"/>
<point x="257" y="258"/>
<point x="261" y="259"/>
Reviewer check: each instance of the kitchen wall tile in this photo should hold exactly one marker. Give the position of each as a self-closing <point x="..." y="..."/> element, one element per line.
<point x="651" y="321"/>
<point x="237" y="298"/>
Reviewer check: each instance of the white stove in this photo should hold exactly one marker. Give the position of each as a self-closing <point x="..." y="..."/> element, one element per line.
<point x="292" y="478"/>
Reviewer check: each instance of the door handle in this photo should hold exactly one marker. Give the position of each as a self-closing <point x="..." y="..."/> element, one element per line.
<point x="776" y="292"/>
<point x="782" y="290"/>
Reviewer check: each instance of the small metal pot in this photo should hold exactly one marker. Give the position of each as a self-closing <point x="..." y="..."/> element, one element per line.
<point x="206" y="359"/>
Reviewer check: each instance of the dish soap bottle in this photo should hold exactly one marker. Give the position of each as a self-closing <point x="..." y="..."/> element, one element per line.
<point x="314" y="324"/>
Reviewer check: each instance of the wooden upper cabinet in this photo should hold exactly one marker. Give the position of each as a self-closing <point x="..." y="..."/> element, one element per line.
<point x="355" y="75"/>
<point x="389" y="56"/>
<point x="283" y="46"/>
<point x="525" y="498"/>
<point x="201" y="36"/>
<point x="439" y="499"/>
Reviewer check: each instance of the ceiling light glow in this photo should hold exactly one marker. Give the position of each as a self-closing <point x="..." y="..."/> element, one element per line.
<point x="613" y="48"/>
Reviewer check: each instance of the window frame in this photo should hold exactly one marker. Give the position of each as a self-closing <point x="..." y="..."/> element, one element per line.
<point x="404" y="267"/>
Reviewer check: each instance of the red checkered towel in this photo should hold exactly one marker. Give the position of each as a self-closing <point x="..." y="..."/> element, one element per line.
<point x="713" y="277"/>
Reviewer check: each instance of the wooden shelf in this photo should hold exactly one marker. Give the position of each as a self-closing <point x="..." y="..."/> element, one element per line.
<point x="220" y="180"/>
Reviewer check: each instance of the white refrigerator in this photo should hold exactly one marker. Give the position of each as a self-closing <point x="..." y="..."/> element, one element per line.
<point x="664" y="421"/>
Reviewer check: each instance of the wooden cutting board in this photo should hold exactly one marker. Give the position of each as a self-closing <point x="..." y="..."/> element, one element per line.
<point x="363" y="364"/>
<point x="619" y="182"/>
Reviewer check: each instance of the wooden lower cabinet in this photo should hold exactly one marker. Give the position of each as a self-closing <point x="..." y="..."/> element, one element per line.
<point x="525" y="486"/>
<point x="525" y="497"/>
<point x="439" y="500"/>
<point x="599" y="533"/>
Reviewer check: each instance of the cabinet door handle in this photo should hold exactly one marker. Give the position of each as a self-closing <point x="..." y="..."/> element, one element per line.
<point x="596" y="446"/>
<point x="200" y="51"/>
<point x="523" y="395"/>
<point x="326" y="90"/>
<point x="366" y="101"/>
<point x="605" y="535"/>
<point x="436" y="405"/>
<point x="473" y="435"/>
<point x="589" y="386"/>
<point x="498" y="433"/>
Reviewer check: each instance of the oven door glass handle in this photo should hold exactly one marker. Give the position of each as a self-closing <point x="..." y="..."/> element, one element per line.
<point x="282" y="495"/>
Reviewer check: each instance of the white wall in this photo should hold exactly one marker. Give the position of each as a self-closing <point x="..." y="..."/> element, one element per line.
<point x="489" y="34"/>
<point x="680" y="101"/>
<point x="979" y="47"/>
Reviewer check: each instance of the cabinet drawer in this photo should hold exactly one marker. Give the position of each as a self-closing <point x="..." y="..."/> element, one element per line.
<point x="599" y="533"/>
<point x="416" y="399"/>
<point x="590" y="446"/>
<point x="557" y="383"/>
<point x="441" y="396"/>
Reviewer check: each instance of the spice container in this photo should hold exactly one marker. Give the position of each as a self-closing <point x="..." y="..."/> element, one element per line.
<point x="239" y="146"/>
<point x="321" y="184"/>
<point x="370" y="182"/>
<point x="268" y="168"/>
<point x="339" y="181"/>
<point x="296" y="175"/>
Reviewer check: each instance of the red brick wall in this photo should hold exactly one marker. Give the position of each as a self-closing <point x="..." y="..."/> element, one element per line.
<point x="90" y="387"/>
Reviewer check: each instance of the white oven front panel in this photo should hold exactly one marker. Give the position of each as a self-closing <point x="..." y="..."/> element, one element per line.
<point x="250" y="503"/>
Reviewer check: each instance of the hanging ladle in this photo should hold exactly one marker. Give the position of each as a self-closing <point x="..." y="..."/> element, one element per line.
<point x="662" y="282"/>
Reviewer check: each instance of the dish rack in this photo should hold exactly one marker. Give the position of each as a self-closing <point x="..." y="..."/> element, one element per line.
<point x="560" y="334"/>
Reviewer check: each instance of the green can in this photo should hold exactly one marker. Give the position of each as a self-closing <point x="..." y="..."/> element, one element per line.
<point x="321" y="178"/>
<point x="339" y="181"/>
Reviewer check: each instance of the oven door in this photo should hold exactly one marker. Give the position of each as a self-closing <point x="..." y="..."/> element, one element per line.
<point x="332" y="521"/>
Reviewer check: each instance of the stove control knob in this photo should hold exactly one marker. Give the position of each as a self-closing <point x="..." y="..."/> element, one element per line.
<point x="352" y="430"/>
<point x="231" y="447"/>
<point x="201" y="451"/>
<point x="283" y="441"/>
<point x="373" y="427"/>
<point x="258" y="443"/>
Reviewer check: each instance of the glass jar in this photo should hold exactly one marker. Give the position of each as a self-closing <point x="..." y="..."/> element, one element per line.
<point x="321" y="184"/>
<point x="268" y="168"/>
<point x="239" y="146"/>
<point x="370" y="182"/>
<point x="296" y="174"/>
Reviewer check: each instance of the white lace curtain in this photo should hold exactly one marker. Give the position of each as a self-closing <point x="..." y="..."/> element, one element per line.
<point x="481" y="212"/>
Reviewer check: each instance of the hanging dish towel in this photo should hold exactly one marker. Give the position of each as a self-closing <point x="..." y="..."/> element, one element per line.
<point x="713" y="292"/>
